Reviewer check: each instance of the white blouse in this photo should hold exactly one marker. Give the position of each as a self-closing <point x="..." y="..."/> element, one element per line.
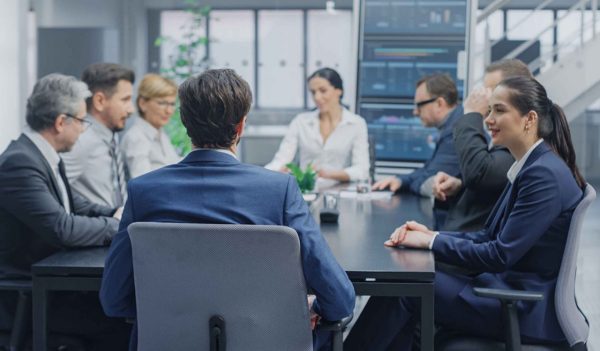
<point x="346" y="148"/>
<point x="147" y="148"/>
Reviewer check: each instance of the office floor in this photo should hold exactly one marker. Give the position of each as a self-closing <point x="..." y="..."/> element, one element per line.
<point x="588" y="275"/>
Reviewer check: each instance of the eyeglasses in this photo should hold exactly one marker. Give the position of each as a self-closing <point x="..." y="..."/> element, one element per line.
<point x="165" y="104"/>
<point x="84" y="122"/>
<point x="420" y="104"/>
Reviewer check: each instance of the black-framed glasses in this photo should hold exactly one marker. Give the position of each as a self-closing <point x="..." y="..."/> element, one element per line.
<point x="84" y="122"/>
<point x="420" y="104"/>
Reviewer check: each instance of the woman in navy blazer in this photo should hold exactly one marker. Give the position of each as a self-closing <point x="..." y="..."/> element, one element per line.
<point x="521" y="246"/>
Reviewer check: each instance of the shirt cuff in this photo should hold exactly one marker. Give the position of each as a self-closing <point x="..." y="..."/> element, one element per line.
<point x="432" y="239"/>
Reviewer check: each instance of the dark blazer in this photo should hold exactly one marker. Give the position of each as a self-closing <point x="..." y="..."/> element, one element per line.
<point x="33" y="221"/>
<point x="483" y="173"/>
<point x="522" y="244"/>
<point x="443" y="159"/>
<point x="213" y="187"/>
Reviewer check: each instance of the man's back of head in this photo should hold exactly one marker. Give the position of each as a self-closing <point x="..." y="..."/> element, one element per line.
<point x="507" y="68"/>
<point x="213" y="107"/>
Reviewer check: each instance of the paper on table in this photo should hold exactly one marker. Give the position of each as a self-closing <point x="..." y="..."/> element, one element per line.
<point x="374" y="195"/>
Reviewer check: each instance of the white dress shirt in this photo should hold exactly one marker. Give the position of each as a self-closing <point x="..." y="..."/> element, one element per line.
<point x="90" y="166"/>
<point x="147" y="148"/>
<point x="347" y="147"/>
<point x="516" y="167"/>
<point x="53" y="159"/>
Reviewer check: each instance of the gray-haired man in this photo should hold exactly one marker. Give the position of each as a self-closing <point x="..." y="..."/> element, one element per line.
<point x="39" y="215"/>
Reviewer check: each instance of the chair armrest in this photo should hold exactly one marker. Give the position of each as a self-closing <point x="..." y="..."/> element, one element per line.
<point x="335" y="326"/>
<point x="509" y="295"/>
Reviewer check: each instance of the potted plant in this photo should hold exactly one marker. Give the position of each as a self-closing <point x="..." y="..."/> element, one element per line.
<point x="306" y="178"/>
<point x="186" y="60"/>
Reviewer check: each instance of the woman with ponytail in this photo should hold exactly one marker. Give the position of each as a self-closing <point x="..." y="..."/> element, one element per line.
<point x="521" y="246"/>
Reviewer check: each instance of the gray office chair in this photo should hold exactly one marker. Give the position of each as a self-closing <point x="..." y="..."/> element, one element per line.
<point x="571" y="319"/>
<point x="220" y="287"/>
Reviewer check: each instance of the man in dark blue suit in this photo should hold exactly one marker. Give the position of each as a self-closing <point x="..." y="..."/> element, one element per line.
<point x="436" y="101"/>
<point x="212" y="186"/>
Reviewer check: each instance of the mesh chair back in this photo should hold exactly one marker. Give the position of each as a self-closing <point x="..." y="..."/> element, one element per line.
<point x="251" y="275"/>
<point x="571" y="319"/>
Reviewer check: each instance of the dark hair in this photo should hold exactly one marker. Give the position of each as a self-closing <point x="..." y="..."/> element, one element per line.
<point x="509" y="68"/>
<point x="104" y="77"/>
<point x="330" y="75"/>
<point x="440" y="85"/>
<point x="212" y="105"/>
<point x="53" y="95"/>
<point x="527" y="94"/>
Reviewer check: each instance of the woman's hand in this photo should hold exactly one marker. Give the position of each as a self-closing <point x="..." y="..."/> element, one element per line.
<point x="411" y="234"/>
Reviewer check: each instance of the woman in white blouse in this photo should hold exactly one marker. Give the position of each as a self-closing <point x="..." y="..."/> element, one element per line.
<point x="331" y="138"/>
<point x="146" y="146"/>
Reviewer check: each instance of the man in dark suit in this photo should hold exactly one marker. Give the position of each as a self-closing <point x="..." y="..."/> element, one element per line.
<point x="39" y="215"/>
<point x="436" y="100"/>
<point x="212" y="186"/>
<point x="472" y="196"/>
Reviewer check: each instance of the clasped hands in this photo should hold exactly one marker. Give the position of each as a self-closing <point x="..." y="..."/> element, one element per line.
<point x="411" y="234"/>
<point x="445" y="186"/>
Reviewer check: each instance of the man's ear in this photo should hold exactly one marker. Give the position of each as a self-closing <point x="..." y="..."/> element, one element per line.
<point x="242" y="126"/>
<point x="60" y="123"/>
<point x="98" y="101"/>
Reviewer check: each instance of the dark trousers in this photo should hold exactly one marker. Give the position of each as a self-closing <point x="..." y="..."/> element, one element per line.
<point x="388" y="323"/>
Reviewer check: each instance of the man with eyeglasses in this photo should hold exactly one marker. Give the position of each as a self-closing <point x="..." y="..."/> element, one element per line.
<point x="96" y="166"/>
<point x="40" y="215"/>
<point x="436" y="100"/>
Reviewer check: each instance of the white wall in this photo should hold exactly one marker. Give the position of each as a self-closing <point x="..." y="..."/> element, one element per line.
<point x="13" y="68"/>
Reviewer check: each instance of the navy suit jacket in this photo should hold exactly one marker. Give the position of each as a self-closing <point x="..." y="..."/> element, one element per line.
<point x="213" y="187"/>
<point x="444" y="157"/>
<point x="522" y="244"/>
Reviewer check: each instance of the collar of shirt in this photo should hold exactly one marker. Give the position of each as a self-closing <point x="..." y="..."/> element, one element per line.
<point x="44" y="146"/>
<point x="225" y="151"/>
<point x="518" y="165"/>
<point x="100" y="130"/>
<point x="148" y="129"/>
<point x="443" y="122"/>
<point x="346" y="117"/>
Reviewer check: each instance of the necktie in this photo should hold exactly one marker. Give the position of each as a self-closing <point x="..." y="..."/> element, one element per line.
<point x="118" y="171"/>
<point x="63" y="176"/>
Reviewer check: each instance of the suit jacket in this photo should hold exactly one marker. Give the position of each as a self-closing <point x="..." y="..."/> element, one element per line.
<point x="209" y="186"/>
<point x="33" y="221"/>
<point x="522" y="244"/>
<point x="443" y="159"/>
<point x="483" y="173"/>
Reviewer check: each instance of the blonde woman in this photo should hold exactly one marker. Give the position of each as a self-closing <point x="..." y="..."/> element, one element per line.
<point x="146" y="146"/>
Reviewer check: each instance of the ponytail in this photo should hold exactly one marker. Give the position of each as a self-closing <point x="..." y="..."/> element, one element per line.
<point x="527" y="94"/>
<point x="560" y="141"/>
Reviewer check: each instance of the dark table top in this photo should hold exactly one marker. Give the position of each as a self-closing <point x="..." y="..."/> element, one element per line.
<point x="364" y="225"/>
<point x="356" y="241"/>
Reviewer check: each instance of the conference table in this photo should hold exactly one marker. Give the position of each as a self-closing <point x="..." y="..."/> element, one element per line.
<point x="365" y="222"/>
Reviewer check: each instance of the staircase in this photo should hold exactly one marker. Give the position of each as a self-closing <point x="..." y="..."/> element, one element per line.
<point x="572" y="80"/>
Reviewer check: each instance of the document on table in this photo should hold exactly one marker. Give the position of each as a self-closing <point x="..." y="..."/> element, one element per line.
<point x="373" y="195"/>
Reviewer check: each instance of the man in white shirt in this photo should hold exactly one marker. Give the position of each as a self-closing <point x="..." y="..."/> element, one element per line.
<point x="39" y="215"/>
<point x="96" y="166"/>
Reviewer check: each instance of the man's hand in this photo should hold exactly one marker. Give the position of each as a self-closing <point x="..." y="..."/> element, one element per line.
<point x="314" y="318"/>
<point x="445" y="186"/>
<point x="118" y="213"/>
<point x="411" y="234"/>
<point x="478" y="101"/>
<point x="392" y="183"/>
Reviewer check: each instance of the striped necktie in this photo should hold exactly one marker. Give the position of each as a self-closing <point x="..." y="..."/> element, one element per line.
<point x="118" y="171"/>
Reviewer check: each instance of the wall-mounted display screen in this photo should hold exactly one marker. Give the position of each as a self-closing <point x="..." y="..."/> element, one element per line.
<point x="397" y="134"/>
<point x="446" y="17"/>
<point x="391" y="69"/>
